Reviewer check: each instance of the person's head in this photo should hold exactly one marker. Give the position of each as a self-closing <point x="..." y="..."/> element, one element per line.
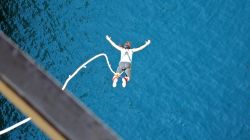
<point x="127" y="45"/>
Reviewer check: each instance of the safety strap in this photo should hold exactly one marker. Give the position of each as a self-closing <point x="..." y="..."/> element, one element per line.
<point x="126" y="53"/>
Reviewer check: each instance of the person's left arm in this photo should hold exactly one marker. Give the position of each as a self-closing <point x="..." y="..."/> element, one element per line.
<point x="142" y="47"/>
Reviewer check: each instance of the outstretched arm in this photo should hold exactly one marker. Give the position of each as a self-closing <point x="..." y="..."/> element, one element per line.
<point x="112" y="43"/>
<point x="142" y="47"/>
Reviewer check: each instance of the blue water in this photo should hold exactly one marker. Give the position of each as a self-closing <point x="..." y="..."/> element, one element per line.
<point x="192" y="82"/>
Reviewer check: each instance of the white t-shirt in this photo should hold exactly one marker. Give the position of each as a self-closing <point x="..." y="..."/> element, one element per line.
<point x="126" y="55"/>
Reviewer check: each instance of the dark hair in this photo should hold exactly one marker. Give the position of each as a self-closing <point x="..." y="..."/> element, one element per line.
<point x="127" y="46"/>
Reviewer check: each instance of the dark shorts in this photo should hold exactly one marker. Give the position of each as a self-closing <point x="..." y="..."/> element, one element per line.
<point x="126" y="67"/>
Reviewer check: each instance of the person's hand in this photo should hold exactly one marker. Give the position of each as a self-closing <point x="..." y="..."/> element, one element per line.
<point x="148" y="42"/>
<point x="108" y="37"/>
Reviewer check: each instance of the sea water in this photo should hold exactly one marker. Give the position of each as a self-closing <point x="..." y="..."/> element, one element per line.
<point x="192" y="81"/>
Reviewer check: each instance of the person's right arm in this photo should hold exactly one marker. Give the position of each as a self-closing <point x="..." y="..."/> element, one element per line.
<point x="112" y="43"/>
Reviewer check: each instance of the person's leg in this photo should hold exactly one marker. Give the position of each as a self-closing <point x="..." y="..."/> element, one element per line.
<point x="119" y="70"/>
<point x="127" y="76"/>
<point x="117" y="75"/>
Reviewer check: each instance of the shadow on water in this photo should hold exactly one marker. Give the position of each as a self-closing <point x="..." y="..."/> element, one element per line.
<point x="8" y="9"/>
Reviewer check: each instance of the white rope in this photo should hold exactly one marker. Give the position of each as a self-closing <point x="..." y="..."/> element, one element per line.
<point x="84" y="66"/>
<point x="64" y="86"/>
<point x="14" y="126"/>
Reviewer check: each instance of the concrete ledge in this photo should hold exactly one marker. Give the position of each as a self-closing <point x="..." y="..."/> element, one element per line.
<point x="57" y="113"/>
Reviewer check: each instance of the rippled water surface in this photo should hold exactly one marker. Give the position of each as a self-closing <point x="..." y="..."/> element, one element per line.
<point x="192" y="82"/>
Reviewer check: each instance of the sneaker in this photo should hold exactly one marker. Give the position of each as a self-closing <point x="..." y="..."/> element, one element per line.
<point x="115" y="82"/>
<point x="124" y="82"/>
